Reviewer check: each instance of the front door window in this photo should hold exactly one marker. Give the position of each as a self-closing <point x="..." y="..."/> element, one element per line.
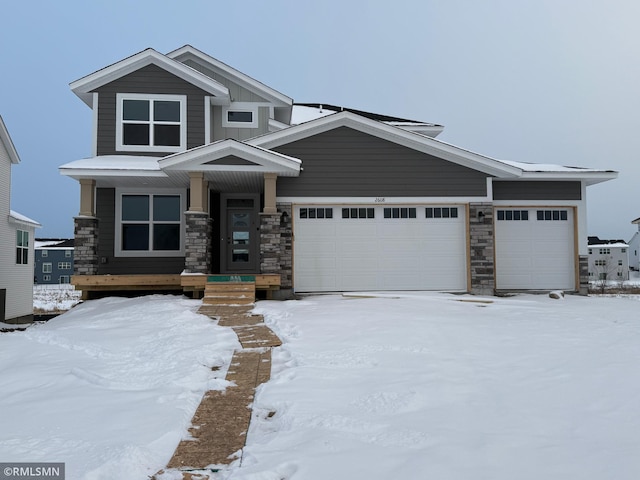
<point x="241" y="238"/>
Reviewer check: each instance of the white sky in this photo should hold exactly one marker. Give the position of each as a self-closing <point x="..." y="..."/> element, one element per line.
<point x="549" y="81"/>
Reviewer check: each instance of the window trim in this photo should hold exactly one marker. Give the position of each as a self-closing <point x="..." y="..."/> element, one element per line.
<point x="44" y="267"/>
<point x="117" y="247"/>
<point x="240" y="107"/>
<point x="121" y="97"/>
<point x="21" y="247"/>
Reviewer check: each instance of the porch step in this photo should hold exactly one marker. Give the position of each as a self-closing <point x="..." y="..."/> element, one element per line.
<point x="229" y="293"/>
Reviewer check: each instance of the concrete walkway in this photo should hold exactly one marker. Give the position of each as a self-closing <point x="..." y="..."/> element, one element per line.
<point x="221" y="422"/>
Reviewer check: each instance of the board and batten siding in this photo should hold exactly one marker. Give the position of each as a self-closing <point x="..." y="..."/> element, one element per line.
<point x="106" y="213"/>
<point x="222" y="133"/>
<point x="347" y="162"/>
<point x="16" y="279"/>
<point x="148" y="80"/>
<point x="537" y="190"/>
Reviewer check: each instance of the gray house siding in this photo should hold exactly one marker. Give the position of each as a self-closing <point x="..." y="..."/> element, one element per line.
<point x="531" y="190"/>
<point x="221" y="133"/>
<point x="150" y="80"/>
<point x="105" y="211"/>
<point x="346" y="162"/>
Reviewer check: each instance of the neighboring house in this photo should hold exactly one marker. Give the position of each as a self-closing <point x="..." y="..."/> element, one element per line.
<point x="608" y="259"/>
<point x="16" y="237"/>
<point x="199" y="168"/>
<point x="634" y="248"/>
<point x="53" y="261"/>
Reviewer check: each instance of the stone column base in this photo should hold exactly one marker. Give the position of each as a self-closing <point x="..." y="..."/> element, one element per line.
<point x="198" y="243"/>
<point x="85" y="254"/>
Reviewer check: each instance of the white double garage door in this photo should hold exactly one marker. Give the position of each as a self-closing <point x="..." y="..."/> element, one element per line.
<point x="341" y="248"/>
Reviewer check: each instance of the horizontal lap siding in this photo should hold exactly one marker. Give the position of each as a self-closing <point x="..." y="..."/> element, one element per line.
<point x="149" y="80"/>
<point x="530" y="190"/>
<point x="346" y="162"/>
<point x="105" y="211"/>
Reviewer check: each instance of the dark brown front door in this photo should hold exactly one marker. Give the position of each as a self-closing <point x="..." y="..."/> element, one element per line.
<point x="241" y="235"/>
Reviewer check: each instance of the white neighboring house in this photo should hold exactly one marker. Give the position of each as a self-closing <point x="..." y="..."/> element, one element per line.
<point x="608" y="260"/>
<point x="634" y="248"/>
<point x="16" y="236"/>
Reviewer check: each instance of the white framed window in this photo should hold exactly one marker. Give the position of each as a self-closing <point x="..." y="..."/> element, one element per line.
<point x="67" y="253"/>
<point x="149" y="223"/>
<point x="63" y="279"/>
<point x="46" y="278"/>
<point x="64" y="265"/>
<point x="605" y="251"/>
<point x="47" y="267"/>
<point x="240" y="115"/>
<point x="22" y="247"/>
<point x="44" y="253"/>
<point x="151" y="123"/>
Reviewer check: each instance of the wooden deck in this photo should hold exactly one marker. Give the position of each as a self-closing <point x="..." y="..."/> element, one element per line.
<point x="193" y="284"/>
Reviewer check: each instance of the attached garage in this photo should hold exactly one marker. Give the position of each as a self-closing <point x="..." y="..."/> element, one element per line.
<point x="535" y="248"/>
<point x="379" y="247"/>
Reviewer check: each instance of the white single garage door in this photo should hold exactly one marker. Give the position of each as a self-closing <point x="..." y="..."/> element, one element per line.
<point x="350" y="248"/>
<point x="534" y="248"/>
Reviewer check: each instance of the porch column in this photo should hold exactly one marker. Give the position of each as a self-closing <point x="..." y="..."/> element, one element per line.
<point x="270" y="193"/>
<point x="85" y="256"/>
<point x="199" y="190"/>
<point x="87" y="197"/>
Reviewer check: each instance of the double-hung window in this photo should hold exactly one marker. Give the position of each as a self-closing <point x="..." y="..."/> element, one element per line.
<point x="151" y="123"/>
<point x="22" y="247"/>
<point x="149" y="224"/>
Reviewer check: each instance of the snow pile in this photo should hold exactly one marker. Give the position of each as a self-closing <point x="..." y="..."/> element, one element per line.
<point x="446" y="387"/>
<point x="110" y="387"/>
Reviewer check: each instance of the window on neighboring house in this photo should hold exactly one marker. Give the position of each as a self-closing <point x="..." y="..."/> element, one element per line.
<point x="46" y="278"/>
<point x="64" y="265"/>
<point x="151" y="123"/>
<point x="149" y="224"/>
<point x="620" y="262"/>
<point x="623" y="250"/>
<point x="63" y="279"/>
<point x="47" y="267"/>
<point x="44" y="253"/>
<point x="600" y="263"/>
<point x="67" y="253"/>
<point x="22" y="247"/>
<point x="590" y="251"/>
<point x="605" y="251"/>
<point x="240" y="115"/>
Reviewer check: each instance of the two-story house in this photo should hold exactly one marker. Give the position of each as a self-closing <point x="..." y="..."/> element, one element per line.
<point x="53" y="261"/>
<point x="16" y="238"/>
<point x="634" y="248"/>
<point x="608" y="260"/>
<point x="199" y="168"/>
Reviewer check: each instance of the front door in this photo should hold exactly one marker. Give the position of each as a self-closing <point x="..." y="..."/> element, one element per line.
<point x="241" y="236"/>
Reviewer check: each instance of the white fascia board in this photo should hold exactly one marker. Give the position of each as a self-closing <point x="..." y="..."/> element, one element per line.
<point x="5" y="138"/>
<point x="16" y="218"/>
<point x="79" y="173"/>
<point x="83" y="87"/>
<point x="381" y="201"/>
<point x="197" y="158"/>
<point x="393" y="134"/>
<point x="589" y="177"/>
<point x="275" y="126"/>
<point x="239" y="77"/>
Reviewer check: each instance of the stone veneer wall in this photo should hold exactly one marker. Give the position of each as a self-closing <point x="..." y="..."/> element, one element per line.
<point x="275" y="245"/>
<point x="286" y="246"/>
<point x="85" y="255"/>
<point x="481" y="233"/>
<point x="583" y="269"/>
<point x="198" y="242"/>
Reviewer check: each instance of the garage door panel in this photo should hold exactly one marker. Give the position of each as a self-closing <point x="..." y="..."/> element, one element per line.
<point x="532" y="253"/>
<point x="392" y="253"/>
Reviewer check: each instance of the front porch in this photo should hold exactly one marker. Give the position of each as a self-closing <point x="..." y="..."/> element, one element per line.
<point x="93" y="286"/>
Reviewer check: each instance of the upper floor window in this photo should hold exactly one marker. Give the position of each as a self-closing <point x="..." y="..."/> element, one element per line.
<point x="22" y="247"/>
<point x="44" y="253"/>
<point x="151" y="123"/>
<point x="67" y="253"/>
<point x="240" y="115"/>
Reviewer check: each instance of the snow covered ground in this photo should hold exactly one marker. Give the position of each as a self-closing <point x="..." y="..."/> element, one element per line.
<point x="54" y="298"/>
<point x="411" y="386"/>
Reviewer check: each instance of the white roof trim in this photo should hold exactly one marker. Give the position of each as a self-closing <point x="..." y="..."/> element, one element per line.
<point x="197" y="159"/>
<point x="19" y="219"/>
<point x="84" y="86"/>
<point x="382" y="130"/>
<point x="241" y="78"/>
<point x="5" y="138"/>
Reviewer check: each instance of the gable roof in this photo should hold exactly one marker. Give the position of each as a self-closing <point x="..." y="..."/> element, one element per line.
<point x="190" y="52"/>
<point x="498" y="168"/>
<point x="258" y="159"/>
<point x="84" y="86"/>
<point x="19" y="219"/>
<point x="5" y="138"/>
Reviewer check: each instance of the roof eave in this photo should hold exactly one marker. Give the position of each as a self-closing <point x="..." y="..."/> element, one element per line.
<point x="8" y="143"/>
<point x="590" y="178"/>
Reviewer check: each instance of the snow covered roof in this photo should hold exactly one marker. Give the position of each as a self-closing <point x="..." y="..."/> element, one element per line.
<point x="54" y="243"/>
<point x="18" y="218"/>
<point x="306" y="112"/>
<point x="609" y="245"/>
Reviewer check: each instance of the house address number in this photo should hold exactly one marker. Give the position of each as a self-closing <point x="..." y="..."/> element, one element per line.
<point x="380" y="200"/>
